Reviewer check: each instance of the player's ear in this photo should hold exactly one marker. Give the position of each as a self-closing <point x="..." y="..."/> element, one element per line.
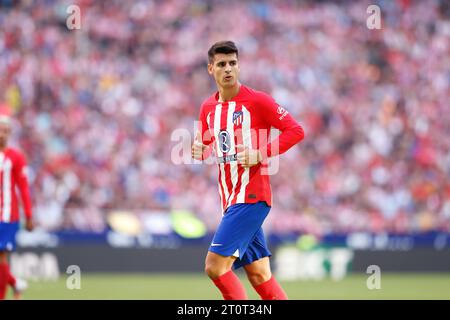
<point x="210" y="68"/>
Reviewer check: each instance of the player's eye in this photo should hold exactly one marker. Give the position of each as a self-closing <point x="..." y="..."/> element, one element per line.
<point x="221" y="64"/>
<point x="232" y="63"/>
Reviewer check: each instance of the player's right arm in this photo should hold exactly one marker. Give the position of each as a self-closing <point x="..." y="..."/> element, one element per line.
<point x="201" y="149"/>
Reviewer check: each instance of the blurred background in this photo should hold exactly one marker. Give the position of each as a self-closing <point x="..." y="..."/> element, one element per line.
<point x="95" y="109"/>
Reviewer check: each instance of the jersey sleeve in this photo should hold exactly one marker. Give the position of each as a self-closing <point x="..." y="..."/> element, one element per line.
<point x="20" y="176"/>
<point x="204" y="134"/>
<point x="203" y="127"/>
<point x="278" y="117"/>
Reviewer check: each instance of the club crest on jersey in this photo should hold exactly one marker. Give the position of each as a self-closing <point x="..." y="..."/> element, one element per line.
<point x="238" y="117"/>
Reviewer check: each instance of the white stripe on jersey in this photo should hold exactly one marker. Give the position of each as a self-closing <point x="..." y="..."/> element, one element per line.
<point x="222" y="182"/>
<point x="207" y="120"/>
<point x="233" y="164"/>
<point x="7" y="190"/>
<point x="247" y="141"/>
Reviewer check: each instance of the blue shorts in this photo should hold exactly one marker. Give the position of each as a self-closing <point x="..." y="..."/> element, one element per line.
<point x="8" y="236"/>
<point x="240" y="233"/>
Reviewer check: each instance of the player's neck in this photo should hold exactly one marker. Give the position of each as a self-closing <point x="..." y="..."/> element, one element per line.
<point x="226" y="94"/>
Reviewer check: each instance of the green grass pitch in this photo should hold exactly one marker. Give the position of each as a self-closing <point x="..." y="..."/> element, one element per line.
<point x="166" y="286"/>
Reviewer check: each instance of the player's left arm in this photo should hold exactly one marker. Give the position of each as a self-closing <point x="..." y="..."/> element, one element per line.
<point x="20" y="175"/>
<point x="275" y="116"/>
<point x="278" y="117"/>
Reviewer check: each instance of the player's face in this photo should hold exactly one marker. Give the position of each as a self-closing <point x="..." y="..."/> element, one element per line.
<point x="5" y="130"/>
<point x="225" y="69"/>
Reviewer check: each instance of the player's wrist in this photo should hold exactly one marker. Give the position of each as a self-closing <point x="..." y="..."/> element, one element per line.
<point x="262" y="155"/>
<point x="259" y="156"/>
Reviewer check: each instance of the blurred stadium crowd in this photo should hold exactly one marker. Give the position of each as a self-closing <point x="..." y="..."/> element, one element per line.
<point x="95" y="108"/>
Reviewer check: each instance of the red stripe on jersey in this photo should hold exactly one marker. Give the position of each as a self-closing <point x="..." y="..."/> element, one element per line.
<point x="227" y="167"/>
<point x="222" y="195"/>
<point x="221" y="185"/>
<point x="238" y="139"/>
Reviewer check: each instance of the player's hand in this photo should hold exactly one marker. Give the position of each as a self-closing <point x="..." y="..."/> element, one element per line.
<point x="197" y="150"/>
<point x="248" y="157"/>
<point x="29" y="225"/>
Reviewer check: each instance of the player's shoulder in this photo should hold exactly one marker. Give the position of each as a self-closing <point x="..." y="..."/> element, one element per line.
<point x="208" y="104"/>
<point x="210" y="101"/>
<point x="256" y="95"/>
<point x="14" y="153"/>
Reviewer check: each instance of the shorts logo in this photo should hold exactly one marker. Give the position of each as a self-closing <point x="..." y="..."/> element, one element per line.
<point x="224" y="141"/>
<point x="238" y="117"/>
<point x="215" y="244"/>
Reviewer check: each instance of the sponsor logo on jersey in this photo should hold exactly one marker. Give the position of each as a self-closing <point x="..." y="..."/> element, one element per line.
<point x="229" y="158"/>
<point x="282" y="111"/>
<point x="224" y="141"/>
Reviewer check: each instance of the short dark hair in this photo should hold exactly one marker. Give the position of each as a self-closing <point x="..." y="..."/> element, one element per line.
<point x="225" y="47"/>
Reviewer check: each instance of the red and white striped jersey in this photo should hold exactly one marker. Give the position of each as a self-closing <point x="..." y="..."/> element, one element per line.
<point x="246" y="120"/>
<point x="12" y="174"/>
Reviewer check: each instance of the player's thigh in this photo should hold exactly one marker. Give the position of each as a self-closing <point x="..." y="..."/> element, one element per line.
<point x="259" y="267"/>
<point x="217" y="265"/>
<point x="213" y="258"/>
<point x="3" y="257"/>
<point x="256" y="250"/>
